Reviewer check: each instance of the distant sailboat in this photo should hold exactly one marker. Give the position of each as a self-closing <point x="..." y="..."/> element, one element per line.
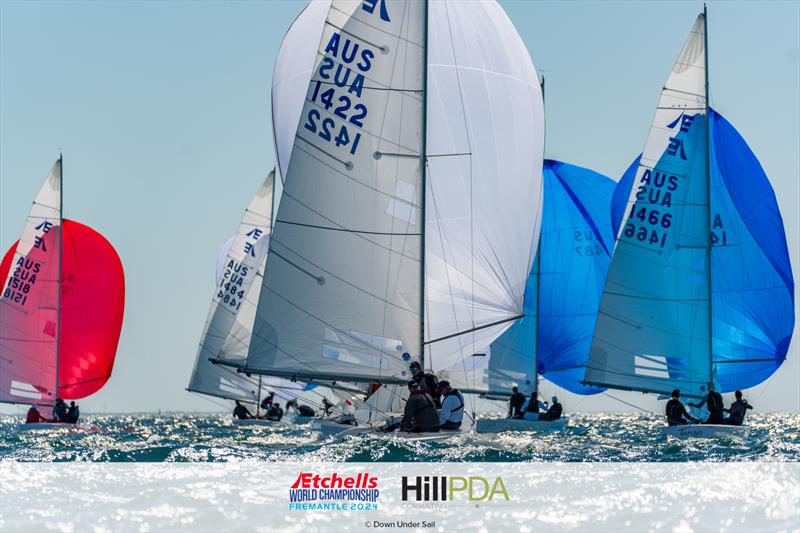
<point x="562" y="294"/>
<point x="700" y="288"/>
<point x="363" y="270"/>
<point x="61" y="306"/>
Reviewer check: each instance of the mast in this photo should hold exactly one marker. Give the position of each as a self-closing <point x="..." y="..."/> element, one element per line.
<point x="258" y="396"/>
<point x="60" y="264"/>
<point x="423" y="193"/>
<point x="708" y="188"/>
<point x="537" y="262"/>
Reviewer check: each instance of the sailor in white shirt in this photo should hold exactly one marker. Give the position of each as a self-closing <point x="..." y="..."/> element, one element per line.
<point x="452" y="411"/>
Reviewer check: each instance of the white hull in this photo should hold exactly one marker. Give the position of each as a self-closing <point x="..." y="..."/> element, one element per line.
<point x="253" y="422"/>
<point x="705" y="431"/>
<point x="303" y="419"/>
<point x="499" y="425"/>
<point x="329" y="426"/>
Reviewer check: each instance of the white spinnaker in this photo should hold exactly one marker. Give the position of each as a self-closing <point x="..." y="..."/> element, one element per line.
<point x="476" y="257"/>
<point x="485" y="152"/>
<point x="341" y="293"/>
<point x="230" y="317"/>
<point x="653" y="330"/>
<point x="29" y="303"/>
<point x="293" y="67"/>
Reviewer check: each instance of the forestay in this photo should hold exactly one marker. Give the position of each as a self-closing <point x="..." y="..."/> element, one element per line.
<point x="228" y="327"/>
<point x="653" y="327"/>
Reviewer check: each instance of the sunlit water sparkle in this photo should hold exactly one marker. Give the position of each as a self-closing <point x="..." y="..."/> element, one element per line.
<point x="213" y="438"/>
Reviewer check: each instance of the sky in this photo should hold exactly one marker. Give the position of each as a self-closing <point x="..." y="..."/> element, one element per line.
<point x="162" y="112"/>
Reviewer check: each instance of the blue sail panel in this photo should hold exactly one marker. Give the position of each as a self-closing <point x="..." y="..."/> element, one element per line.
<point x="575" y="250"/>
<point x="753" y="288"/>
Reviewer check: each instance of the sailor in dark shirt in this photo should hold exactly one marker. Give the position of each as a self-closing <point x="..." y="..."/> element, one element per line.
<point x="241" y="412"/>
<point x="715" y="406"/>
<point x="676" y="412"/>
<point x="515" y="403"/>
<point x="737" y="411"/>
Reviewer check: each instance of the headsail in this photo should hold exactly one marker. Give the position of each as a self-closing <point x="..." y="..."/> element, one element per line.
<point x="653" y="329"/>
<point x="230" y="318"/>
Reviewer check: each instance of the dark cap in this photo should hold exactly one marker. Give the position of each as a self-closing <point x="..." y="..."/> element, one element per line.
<point x="415" y="364"/>
<point x="676" y="392"/>
<point x="444" y="383"/>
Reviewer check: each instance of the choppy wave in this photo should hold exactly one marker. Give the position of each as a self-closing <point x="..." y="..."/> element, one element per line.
<point x="213" y="438"/>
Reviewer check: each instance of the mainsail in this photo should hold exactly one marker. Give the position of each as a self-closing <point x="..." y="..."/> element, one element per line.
<point x="653" y="329"/>
<point x="61" y="307"/>
<point x="752" y="283"/>
<point x="342" y="295"/>
<point x="563" y="289"/>
<point x="700" y="250"/>
<point x="227" y="330"/>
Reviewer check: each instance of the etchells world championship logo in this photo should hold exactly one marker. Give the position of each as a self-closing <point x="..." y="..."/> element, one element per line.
<point x="315" y="492"/>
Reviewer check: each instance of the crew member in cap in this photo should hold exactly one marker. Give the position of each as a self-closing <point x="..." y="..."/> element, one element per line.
<point x="420" y="414"/>
<point x="452" y="412"/>
<point x="554" y="413"/>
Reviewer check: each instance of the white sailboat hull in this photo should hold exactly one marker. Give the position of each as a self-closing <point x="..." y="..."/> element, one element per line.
<point x="253" y="422"/>
<point x="499" y="425"/>
<point x="705" y="431"/>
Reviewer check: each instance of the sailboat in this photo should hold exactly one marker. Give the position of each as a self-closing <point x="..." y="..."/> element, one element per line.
<point x="228" y="328"/>
<point x="700" y="288"/>
<point x="61" y="307"/>
<point x="411" y="197"/>
<point x="561" y="298"/>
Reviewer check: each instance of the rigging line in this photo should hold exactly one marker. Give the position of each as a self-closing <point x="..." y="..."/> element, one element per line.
<point x="345" y="230"/>
<point x="459" y="333"/>
<point x="630" y="404"/>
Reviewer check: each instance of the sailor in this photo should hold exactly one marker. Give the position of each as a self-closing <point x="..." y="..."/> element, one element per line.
<point x="515" y="403"/>
<point x="266" y="403"/>
<point x="241" y="412"/>
<point x="713" y="400"/>
<point x="420" y="414"/>
<point x="452" y="412"/>
<point x="738" y="410"/>
<point x="275" y="412"/>
<point x="531" y="411"/>
<point x="554" y="412"/>
<point x="73" y="414"/>
<point x="302" y="409"/>
<point x="676" y="412"/>
<point x="427" y="382"/>
<point x="326" y="406"/>
<point x="34" y="416"/>
<point x="60" y="411"/>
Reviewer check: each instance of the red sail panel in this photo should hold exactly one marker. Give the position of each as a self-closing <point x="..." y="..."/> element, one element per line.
<point x="92" y="303"/>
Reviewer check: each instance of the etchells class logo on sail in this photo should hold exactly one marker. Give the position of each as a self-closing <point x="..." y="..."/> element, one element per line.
<point x="332" y="492"/>
<point x="438" y="490"/>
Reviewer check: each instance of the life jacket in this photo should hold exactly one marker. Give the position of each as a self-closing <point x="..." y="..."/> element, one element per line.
<point x="457" y="394"/>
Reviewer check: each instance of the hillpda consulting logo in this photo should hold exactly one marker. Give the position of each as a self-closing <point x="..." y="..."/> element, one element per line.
<point x="437" y="491"/>
<point x="315" y="492"/>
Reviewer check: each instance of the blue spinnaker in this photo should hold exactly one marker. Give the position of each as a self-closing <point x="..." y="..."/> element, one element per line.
<point x="573" y="257"/>
<point x="752" y="283"/>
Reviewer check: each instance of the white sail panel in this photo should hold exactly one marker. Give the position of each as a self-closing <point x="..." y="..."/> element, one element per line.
<point x="29" y="303"/>
<point x="342" y="282"/>
<point x="230" y="317"/>
<point x="293" y="67"/>
<point x="485" y="152"/>
<point x="653" y="327"/>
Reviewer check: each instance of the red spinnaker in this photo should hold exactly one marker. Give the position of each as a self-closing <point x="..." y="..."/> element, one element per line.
<point x="92" y="305"/>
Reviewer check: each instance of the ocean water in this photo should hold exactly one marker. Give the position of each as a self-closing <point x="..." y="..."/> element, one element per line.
<point x="213" y="438"/>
